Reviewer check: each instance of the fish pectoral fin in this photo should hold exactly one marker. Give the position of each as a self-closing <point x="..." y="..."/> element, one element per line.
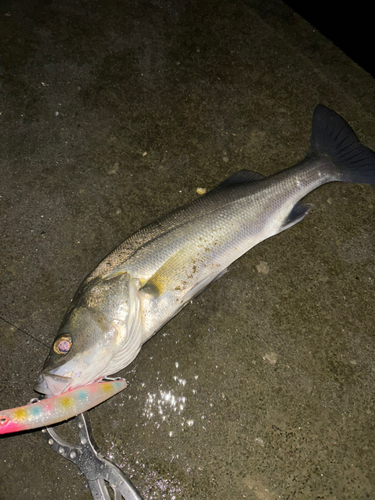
<point x="298" y="212"/>
<point x="170" y="274"/>
<point x="180" y="275"/>
<point x="163" y="279"/>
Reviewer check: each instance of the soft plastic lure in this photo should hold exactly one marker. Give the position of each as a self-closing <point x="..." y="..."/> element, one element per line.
<point x="58" y="408"/>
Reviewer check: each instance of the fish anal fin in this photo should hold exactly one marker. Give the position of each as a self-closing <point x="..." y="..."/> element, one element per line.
<point x="298" y="212"/>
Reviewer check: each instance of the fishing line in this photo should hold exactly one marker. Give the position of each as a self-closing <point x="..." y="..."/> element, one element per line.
<point x="23" y="331"/>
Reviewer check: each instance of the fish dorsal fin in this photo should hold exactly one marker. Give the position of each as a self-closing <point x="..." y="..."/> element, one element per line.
<point x="238" y="178"/>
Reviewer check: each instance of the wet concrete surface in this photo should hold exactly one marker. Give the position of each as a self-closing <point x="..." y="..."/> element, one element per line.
<point x="111" y="114"/>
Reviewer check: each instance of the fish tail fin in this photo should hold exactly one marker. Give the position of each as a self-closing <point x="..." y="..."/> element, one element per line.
<point x="332" y="136"/>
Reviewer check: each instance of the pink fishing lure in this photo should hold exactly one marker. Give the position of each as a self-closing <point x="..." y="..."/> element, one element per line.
<point x="58" y="408"/>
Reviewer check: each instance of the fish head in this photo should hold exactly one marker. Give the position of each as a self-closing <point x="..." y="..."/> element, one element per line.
<point x="100" y="334"/>
<point x="80" y="352"/>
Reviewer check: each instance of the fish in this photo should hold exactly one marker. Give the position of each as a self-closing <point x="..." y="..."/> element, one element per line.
<point x="155" y="272"/>
<point x="58" y="408"/>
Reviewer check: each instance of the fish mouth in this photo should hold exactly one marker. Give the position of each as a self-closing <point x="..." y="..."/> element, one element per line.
<point x="52" y="385"/>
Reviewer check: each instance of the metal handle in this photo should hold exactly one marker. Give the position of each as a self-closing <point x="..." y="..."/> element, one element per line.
<point x="98" y="470"/>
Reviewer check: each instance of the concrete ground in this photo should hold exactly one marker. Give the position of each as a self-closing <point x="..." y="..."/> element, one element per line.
<point x="111" y="114"/>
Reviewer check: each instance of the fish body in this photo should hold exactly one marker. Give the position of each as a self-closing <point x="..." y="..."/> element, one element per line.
<point x="153" y="274"/>
<point x="58" y="408"/>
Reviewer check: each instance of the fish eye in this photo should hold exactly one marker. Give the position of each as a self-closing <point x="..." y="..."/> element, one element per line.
<point x="62" y="344"/>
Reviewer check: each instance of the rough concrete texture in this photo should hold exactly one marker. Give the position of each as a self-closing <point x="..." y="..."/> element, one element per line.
<point x="111" y="114"/>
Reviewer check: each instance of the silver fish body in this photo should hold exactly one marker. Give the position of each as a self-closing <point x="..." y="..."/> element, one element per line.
<point x="143" y="283"/>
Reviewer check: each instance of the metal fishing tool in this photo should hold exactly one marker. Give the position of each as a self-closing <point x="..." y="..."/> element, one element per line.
<point x="99" y="472"/>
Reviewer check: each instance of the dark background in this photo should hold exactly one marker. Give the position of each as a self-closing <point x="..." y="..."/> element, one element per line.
<point x="350" y="26"/>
